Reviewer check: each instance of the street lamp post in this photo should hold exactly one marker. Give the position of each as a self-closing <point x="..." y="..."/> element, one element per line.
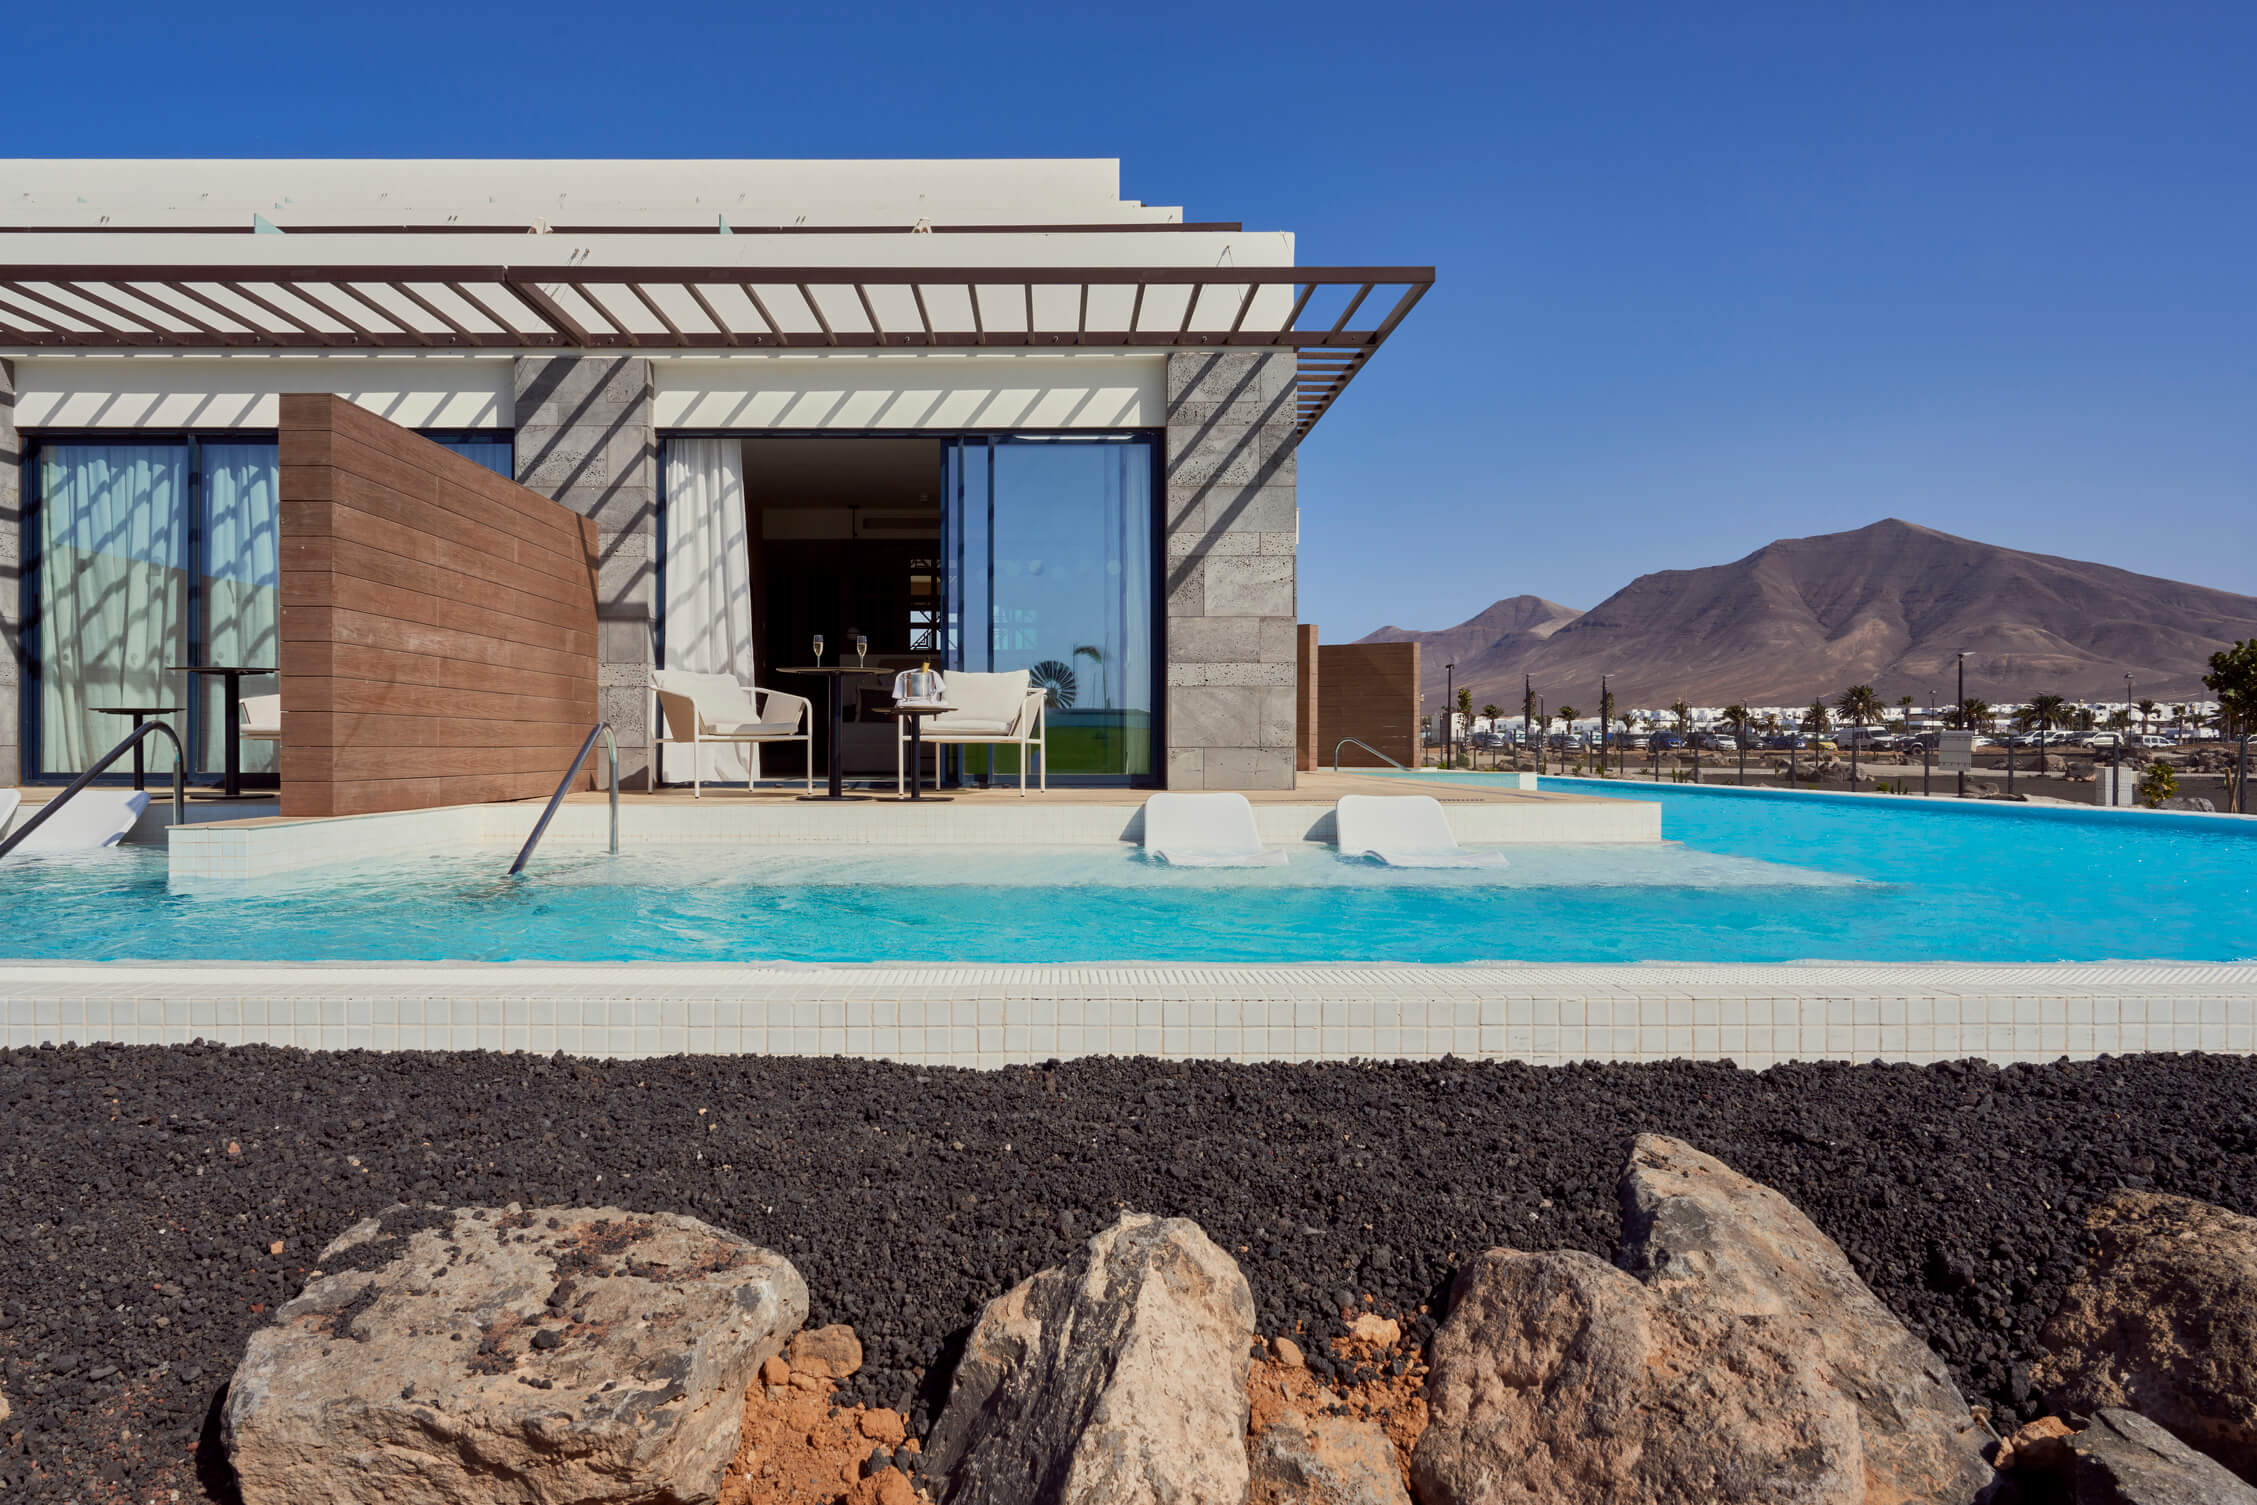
<point x="1606" y="714"/>
<point x="1449" y="710"/>
<point x="1963" y="726"/>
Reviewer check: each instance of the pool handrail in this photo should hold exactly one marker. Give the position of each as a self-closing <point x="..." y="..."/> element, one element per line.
<point x="1367" y="747"/>
<point x="131" y="739"/>
<point x="611" y="750"/>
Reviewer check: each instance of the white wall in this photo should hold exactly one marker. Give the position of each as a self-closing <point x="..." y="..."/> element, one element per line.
<point x="155" y="390"/>
<point x="998" y="389"/>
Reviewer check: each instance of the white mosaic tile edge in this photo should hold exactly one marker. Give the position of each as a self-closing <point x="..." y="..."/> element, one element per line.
<point x="994" y="1016"/>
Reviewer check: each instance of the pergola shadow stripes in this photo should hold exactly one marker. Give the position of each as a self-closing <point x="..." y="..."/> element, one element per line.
<point x="721" y="308"/>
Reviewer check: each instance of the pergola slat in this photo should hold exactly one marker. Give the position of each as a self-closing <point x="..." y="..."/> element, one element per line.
<point x="535" y="307"/>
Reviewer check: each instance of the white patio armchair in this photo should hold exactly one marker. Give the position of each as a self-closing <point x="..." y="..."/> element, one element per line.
<point x="261" y="718"/>
<point x="702" y="710"/>
<point x="991" y="710"/>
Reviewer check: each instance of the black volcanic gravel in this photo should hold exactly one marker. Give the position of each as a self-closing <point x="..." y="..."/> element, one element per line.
<point x="141" y="1189"/>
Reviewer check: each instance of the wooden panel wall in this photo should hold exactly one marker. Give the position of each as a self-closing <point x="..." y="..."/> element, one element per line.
<point x="1368" y="690"/>
<point x="1307" y="722"/>
<point x="438" y="622"/>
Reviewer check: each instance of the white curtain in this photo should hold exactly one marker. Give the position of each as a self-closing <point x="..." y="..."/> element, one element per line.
<point x="708" y="585"/>
<point x="113" y="594"/>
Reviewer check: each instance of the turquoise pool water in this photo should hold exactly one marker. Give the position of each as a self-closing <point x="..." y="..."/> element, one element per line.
<point x="1740" y="879"/>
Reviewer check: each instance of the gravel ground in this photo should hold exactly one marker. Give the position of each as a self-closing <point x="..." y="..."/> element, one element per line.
<point x="154" y="1202"/>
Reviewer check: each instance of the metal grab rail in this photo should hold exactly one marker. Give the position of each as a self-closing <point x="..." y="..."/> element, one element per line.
<point x="1367" y="747"/>
<point x="611" y="750"/>
<point x="179" y="782"/>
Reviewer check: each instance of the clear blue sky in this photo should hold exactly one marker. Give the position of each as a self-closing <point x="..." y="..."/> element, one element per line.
<point x="1710" y="274"/>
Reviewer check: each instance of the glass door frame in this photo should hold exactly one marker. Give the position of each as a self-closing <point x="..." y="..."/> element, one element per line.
<point x="30" y="615"/>
<point x="949" y="625"/>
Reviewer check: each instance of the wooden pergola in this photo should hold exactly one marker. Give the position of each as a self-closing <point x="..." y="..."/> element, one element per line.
<point x="1333" y="318"/>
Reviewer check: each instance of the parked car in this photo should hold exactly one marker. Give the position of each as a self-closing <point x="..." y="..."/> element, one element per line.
<point x="1715" y="742"/>
<point x="1667" y="741"/>
<point x="1787" y="742"/>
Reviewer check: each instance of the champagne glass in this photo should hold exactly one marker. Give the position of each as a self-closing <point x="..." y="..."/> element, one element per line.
<point x="818" y="650"/>
<point x="861" y="649"/>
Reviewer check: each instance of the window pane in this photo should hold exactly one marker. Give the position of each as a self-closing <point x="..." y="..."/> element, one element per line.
<point x="242" y="589"/>
<point x="498" y="455"/>
<point x="1072" y="594"/>
<point x="113" y="594"/>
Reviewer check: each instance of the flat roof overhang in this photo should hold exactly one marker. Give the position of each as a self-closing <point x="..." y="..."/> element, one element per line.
<point x="685" y="308"/>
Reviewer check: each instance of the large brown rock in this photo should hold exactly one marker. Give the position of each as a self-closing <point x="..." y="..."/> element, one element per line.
<point x="552" y="1356"/>
<point x="1735" y="1356"/>
<point x="2164" y="1322"/>
<point x="1324" y="1460"/>
<point x="2125" y="1459"/>
<point x="1693" y="1225"/>
<point x="1117" y="1377"/>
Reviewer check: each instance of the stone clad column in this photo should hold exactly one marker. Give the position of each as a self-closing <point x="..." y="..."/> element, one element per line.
<point x="1233" y="528"/>
<point x="11" y="577"/>
<point x="585" y="437"/>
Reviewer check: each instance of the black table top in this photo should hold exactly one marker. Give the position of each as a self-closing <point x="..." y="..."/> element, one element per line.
<point x="840" y="669"/>
<point x="911" y="710"/>
<point x="133" y="710"/>
<point x="218" y="669"/>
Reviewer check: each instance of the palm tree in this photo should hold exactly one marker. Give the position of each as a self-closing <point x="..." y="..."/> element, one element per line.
<point x="1465" y="708"/>
<point x="2147" y="708"/>
<point x="2178" y="719"/>
<point x="1568" y="714"/>
<point x="1815" y="719"/>
<point x="1489" y="714"/>
<point x="2045" y="712"/>
<point x="1682" y="711"/>
<point x="1096" y="657"/>
<point x="1976" y="715"/>
<point x="1860" y="705"/>
<point x="1904" y="713"/>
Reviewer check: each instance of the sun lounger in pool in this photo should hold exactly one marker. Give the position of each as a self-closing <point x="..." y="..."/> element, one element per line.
<point x="1403" y="830"/>
<point x="93" y="818"/>
<point x="1205" y="830"/>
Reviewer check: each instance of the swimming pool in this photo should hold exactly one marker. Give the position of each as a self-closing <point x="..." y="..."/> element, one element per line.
<point x="1739" y="880"/>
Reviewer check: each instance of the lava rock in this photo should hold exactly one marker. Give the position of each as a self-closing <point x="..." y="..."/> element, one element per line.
<point x="2125" y="1459"/>
<point x="369" y="1385"/>
<point x="1326" y="1460"/>
<point x="2164" y="1322"/>
<point x="857" y="1172"/>
<point x="1742" y="1360"/>
<point x="1117" y="1377"/>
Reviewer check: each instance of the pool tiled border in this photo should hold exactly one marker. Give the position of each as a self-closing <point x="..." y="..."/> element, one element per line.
<point x="993" y="1016"/>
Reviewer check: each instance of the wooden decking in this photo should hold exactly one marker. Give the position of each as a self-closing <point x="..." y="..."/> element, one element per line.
<point x="1313" y="789"/>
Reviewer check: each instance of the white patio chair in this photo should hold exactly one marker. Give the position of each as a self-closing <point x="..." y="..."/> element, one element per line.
<point x="991" y="710"/>
<point x="708" y="709"/>
<point x="261" y="719"/>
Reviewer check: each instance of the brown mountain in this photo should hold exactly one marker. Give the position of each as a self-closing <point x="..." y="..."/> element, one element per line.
<point x="1890" y="605"/>
<point x="1509" y="627"/>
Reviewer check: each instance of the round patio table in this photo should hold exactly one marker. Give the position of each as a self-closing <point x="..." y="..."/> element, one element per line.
<point x="915" y="715"/>
<point x="231" y="784"/>
<point x="832" y="674"/>
<point x="138" y="713"/>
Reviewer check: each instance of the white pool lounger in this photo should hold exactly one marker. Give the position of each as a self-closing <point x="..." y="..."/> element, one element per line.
<point x="1205" y="830"/>
<point x="1403" y="830"/>
<point x="94" y="818"/>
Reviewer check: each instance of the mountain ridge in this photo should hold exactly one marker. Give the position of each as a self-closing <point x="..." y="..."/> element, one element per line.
<point x="1890" y="605"/>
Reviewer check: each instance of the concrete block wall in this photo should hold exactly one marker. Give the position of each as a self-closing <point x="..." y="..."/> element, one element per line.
<point x="12" y="483"/>
<point x="586" y="437"/>
<point x="1233" y="531"/>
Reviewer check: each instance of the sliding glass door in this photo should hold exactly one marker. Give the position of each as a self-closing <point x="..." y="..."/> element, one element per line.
<point x="1050" y="546"/>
